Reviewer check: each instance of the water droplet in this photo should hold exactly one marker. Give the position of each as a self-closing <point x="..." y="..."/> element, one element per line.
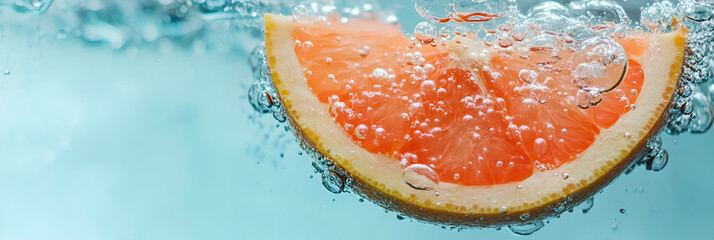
<point x="526" y="228"/>
<point x="333" y="181"/>
<point x="420" y="177"/>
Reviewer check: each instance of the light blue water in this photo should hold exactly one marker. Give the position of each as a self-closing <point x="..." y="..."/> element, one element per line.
<point x="149" y="143"/>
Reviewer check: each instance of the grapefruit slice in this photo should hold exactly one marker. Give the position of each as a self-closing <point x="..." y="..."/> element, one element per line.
<point x="448" y="133"/>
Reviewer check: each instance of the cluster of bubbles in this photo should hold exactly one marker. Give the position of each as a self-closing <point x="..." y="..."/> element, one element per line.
<point x="195" y="25"/>
<point x="585" y="27"/>
<point x="692" y="110"/>
<point x="543" y="31"/>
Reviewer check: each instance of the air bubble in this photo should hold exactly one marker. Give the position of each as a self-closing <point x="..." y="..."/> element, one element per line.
<point x="425" y="32"/>
<point x="333" y="181"/>
<point x="420" y="177"/>
<point x="587" y="205"/>
<point x="489" y="39"/>
<point x="526" y="228"/>
<point x="658" y="163"/>
<point x="527" y="76"/>
<point x="380" y="73"/>
<point x="541" y="93"/>
<point x="658" y="16"/>
<point x="361" y="131"/>
<point x="598" y="65"/>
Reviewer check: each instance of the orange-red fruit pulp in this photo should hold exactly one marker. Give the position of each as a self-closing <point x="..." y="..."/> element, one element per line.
<point x="473" y="122"/>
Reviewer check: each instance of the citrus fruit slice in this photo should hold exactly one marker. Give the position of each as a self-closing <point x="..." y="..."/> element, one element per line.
<point x="462" y="134"/>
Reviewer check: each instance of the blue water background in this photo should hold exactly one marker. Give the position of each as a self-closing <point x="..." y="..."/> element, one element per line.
<point x="154" y="144"/>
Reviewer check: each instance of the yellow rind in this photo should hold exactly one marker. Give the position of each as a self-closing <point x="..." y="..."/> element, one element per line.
<point x="544" y="194"/>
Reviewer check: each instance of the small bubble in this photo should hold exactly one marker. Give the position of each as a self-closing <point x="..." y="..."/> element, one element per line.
<point x="565" y="175"/>
<point x="622" y="210"/>
<point x="333" y="181"/>
<point x="503" y="209"/>
<point x="361" y="131"/>
<point x="499" y="163"/>
<point x="524" y="52"/>
<point x="658" y="162"/>
<point x="456" y="176"/>
<point x="444" y="32"/>
<point x="6" y="72"/>
<point x="425" y="32"/>
<point x="526" y="228"/>
<point x="628" y="135"/>
<point x="489" y="39"/>
<point x="420" y="177"/>
<point x="528" y="76"/>
<point x="587" y="204"/>
<point x="380" y="73"/>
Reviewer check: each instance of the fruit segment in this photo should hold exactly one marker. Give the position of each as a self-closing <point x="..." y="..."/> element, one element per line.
<point x="485" y="117"/>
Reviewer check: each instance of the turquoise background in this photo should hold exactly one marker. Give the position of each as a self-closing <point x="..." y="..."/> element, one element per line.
<point x="154" y="144"/>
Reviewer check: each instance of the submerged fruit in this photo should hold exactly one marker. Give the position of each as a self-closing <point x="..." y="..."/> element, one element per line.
<point x="462" y="134"/>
